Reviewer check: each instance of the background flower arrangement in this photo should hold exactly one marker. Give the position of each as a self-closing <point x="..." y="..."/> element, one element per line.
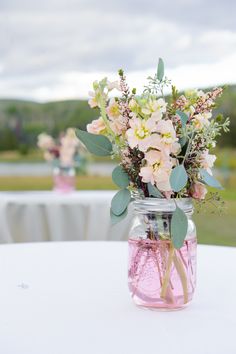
<point x="67" y="151"/>
<point x="163" y="143"/>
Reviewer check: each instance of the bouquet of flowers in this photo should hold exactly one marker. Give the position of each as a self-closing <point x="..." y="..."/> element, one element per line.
<point x="64" y="152"/>
<point x="66" y="155"/>
<point x="164" y="146"/>
<point x="163" y="143"/>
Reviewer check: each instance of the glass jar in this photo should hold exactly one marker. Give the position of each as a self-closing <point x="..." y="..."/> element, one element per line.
<point x="159" y="275"/>
<point x="64" y="179"/>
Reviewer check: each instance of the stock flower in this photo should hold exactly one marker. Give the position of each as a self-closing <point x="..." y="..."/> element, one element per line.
<point x="113" y="85"/>
<point x="92" y="101"/>
<point x="97" y="126"/>
<point x="139" y="132"/>
<point x="198" y="191"/>
<point x="167" y="132"/>
<point x="45" y="141"/>
<point x="157" y="170"/>
<point x="118" y="124"/>
<point x="201" y="120"/>
<point x="68" y="145"/>
<point x="175" y="148"/>
<point x="153" y="105"/>
<point x="113" y="109"/>
<point x="207" y="160"/>
<point x="48" y="156"/>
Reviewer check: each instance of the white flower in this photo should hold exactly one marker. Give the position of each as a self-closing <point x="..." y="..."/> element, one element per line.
<point x="157" y="171"/>
<point x="139" y="132"/>
<point x="113" y="85"/>
<point x="45" y="141"/>
<point x="207" y="160"/>
<point x="201" y="120"/>
<point x="152" y="106"/>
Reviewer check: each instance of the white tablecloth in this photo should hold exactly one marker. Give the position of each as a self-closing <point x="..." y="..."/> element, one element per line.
<point x="51" y="216"/>
<point x="70" y="298"/>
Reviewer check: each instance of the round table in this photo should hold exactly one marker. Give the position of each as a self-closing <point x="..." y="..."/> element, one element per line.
<point x="72" y="297"/>
<point x="52" y="216"/>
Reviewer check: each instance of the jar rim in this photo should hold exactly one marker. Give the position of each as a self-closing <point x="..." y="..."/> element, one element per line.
<point x="163" y="204"/>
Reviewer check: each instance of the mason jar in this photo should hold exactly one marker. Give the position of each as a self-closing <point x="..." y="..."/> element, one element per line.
<point x="64" y="179"/>
<point x="160" y="276"/>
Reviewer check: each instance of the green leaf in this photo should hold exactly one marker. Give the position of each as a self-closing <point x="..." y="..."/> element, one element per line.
<point x="154" y="191"/>
<point x="98" y="145"/>
<point x="209" y="179"/>
<point x="179" y="227"/>
<point x="117" y="218"/>
<point x="178" y="178"/>
<point x="160" y="69"/>
<point x="183" y="141"/>
<point x="120" y="177"/>
<point x="120" y="201"/>
<point x="183" y="117"/>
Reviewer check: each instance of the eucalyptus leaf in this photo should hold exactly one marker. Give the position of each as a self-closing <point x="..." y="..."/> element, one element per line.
<point x="183" y="117"/>
<point x="120" y="201"/>
<point x="178" y="178"/>
<point x="98" y="145"/>
<point x="183" y="141"/>
<point x="209" y="179"/>
<point x="153" y="191"/>
<point x="179" y="227"/>
<point x="117" y="218"/>
<point x="120" y="177"/>
<point x="160" y="69"/>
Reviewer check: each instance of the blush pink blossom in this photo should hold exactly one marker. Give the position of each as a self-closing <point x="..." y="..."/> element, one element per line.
<point x="97" y="126"/>
<point x="167" y="132"/>
<point x="92" y="101"/>
<point x="207" y="160"/>
<point x="45" y="141"/>
<point x="198" y="191"/>
<point x="157" y="170"/>
<point x="139" y="132"/>
<point x="113" y="109"/>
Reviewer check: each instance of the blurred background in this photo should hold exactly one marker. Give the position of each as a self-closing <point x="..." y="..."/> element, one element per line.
<point x="52" y="50"/>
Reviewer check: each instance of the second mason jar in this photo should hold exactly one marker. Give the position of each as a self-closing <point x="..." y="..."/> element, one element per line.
<point x="161" y="276"/>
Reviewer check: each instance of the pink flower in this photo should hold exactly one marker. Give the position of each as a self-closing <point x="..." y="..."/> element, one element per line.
<point x="154" y="106"/>
<point x="167" y="131"/>
<point x="113" y="109"/>
<point x="97" y="126"/>
<point x="198" y="191"/>
<point x="92" y="101"/>
<point x="113" y="85"/>
<point x="207" y="160"/>
<point x="48" y="156"/>
<point x="175" y="148"/>
<point x="118" y="124"/>
<point x="157" y="170"/>
<point x="201" y="120"/>
<point x="139" y="132"/>
<point x="45" y="141"/>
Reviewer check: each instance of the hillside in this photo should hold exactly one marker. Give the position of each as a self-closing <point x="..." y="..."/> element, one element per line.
<point x="22" y="121"/>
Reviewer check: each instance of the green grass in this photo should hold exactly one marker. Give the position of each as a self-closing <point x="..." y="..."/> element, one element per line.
<point x="27" y="183"/>
<point x="211" y="228"/>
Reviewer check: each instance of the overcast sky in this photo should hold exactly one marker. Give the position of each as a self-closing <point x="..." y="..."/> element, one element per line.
<point x="54" y="49"/>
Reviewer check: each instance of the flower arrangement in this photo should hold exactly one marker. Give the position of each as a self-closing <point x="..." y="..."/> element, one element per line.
<point x="67" y="155"/>
<point x="64" y="152"/>
<point x="163" y="143"/>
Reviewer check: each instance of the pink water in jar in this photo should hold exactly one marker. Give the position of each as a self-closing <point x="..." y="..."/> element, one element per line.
<point x="160" y="276"/>
<point x="64" y="180"/>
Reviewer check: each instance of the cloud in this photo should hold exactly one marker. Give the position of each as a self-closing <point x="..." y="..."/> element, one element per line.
<point x="46" y="45"/>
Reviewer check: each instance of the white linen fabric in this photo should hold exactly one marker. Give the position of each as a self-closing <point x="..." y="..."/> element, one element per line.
<point x="52" y="216"/>
<point x="72" y="297"/>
